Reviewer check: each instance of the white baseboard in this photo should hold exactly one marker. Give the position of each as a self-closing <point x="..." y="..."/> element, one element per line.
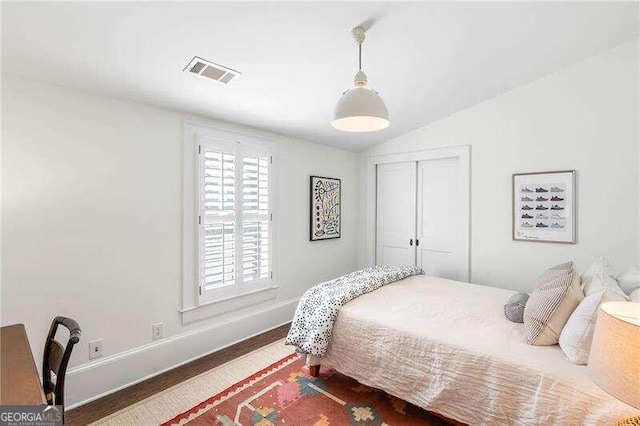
<point x="89" y="382"/>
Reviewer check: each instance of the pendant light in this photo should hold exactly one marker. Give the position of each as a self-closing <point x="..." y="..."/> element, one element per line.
<point x="360" y="109"/>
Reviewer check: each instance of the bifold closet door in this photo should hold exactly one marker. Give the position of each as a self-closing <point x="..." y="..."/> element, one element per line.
<point x="396" y="214"/>
<point x="440" y="228"/>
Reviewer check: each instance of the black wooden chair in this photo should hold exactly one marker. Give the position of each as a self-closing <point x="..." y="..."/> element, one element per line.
<point x="56" y="359"/>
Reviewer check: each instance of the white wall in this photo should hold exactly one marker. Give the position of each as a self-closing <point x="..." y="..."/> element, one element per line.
<point x="584" y="117"/>
<point x="92" y="229"/>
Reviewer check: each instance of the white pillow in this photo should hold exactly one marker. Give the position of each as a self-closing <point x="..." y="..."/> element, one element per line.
<point x="635" y="296"/>
<point x="630" y="280"/>
<point x="601" y="266"/>
<point x="603" y="282"/>
<point x="577" y="334"/>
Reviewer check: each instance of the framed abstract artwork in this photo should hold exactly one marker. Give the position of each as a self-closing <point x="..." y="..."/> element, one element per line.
<point x="325" y="208"/>
<point x="544" y="207"/>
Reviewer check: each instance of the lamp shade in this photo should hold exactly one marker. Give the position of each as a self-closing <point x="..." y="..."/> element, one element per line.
<point x="360" y="109"/>
<point x="614" y="361"/>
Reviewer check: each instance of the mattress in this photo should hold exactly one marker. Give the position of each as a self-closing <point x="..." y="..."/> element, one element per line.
<point x="446" y="346"/>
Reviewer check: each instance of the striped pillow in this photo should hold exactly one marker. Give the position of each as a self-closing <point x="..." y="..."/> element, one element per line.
<point x="556" y="294"/>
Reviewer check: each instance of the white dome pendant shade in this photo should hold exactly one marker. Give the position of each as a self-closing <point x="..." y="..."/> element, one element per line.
<point x="360" y="109"/>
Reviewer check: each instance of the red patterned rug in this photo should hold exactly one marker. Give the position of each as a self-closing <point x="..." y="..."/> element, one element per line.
<point x="284" y="393"/>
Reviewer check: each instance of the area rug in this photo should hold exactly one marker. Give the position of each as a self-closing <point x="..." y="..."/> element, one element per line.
<point x="284" y="393"/>
<point x="165" y="404"/>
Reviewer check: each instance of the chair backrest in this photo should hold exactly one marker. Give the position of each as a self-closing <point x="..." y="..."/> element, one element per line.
<point x="56" y="358"/>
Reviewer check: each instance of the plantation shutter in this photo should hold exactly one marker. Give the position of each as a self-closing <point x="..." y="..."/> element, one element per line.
<point x="235" y="231"/>
<point x="255" y="212"/>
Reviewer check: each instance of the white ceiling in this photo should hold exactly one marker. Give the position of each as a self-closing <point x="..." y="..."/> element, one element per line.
<point x="427" y="60"/>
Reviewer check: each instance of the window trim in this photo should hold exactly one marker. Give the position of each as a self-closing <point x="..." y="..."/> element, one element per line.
<point x="191" y="300"/>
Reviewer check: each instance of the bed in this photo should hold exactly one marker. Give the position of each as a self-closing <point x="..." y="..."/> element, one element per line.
<point x="446" y="346"/>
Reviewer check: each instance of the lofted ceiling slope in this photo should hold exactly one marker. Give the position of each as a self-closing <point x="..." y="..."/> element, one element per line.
<point x="427" y="60"/>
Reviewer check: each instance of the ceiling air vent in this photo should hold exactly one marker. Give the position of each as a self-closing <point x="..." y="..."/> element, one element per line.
<point x="210" y="71"/>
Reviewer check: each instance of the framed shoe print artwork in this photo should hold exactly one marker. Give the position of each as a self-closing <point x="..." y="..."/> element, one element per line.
<point x="544" y="207"/>
<point x="326" y="219"/>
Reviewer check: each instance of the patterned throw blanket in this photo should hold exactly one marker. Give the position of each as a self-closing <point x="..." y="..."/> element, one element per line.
<point x="318" y="307"/>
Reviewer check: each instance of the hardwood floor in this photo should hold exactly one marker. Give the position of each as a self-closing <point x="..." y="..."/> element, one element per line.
<point x="109" y="404"/>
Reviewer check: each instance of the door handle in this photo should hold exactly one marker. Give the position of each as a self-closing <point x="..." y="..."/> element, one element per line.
<point x="411" y="242"/>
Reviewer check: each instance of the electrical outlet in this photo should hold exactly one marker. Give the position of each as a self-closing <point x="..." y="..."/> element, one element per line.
<point x="157" y="331"/>
<point x="95" y="349"/>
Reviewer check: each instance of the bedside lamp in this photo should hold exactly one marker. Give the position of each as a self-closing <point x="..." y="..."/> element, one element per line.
<point x="614" y="361"/>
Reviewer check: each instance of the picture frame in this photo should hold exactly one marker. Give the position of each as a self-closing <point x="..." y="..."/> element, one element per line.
<point x="325" y="214"/>
<point x="544" y="207"/>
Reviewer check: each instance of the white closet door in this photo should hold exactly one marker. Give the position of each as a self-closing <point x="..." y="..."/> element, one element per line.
<point x="396" y="214"/>
<point x="440" y="227"/>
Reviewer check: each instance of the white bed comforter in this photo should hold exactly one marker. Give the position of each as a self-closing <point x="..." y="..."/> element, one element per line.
<point x="447" y="347"/>
<point x="318" y="308"/>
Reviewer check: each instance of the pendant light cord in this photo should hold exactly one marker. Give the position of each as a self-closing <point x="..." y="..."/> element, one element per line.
<point x="360" y="56"/>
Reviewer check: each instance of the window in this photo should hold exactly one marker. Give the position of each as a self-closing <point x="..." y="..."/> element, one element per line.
<point x="232" y="211"/>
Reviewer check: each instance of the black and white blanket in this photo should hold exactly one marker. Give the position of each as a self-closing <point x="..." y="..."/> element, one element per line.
<point x="318" y="307"/>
